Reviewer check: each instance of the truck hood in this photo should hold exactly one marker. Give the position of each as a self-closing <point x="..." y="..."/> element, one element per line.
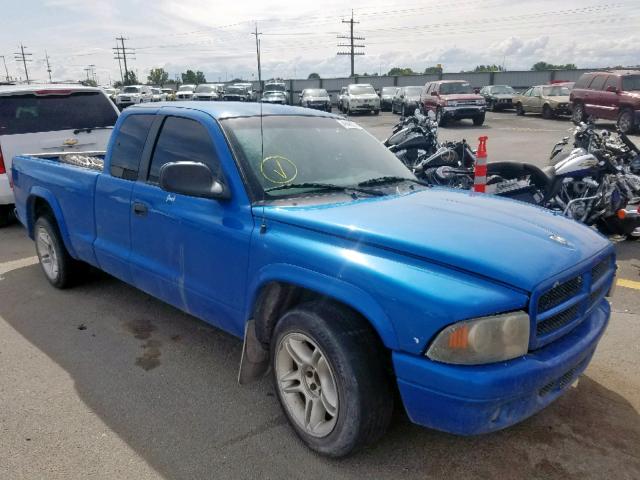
<point x="504" y="240"/>
<point x="462" y="96"/>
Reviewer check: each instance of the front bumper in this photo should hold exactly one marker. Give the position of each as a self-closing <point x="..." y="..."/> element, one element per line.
<point x="562" y="109"/>
<point x="364" y="108"/>
<point x="464" y="111"/>
<point x="470" y="400"/>
<point x="326" y="106"/>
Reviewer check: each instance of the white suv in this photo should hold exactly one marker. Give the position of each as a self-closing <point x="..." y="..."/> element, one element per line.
<point x="133" y="94"/>
<point x="361" y="97"/>
<point x="49" y="118"/>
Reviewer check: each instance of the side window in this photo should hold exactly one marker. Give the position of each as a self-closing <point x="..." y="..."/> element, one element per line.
<point x="612" y="81"/>
<point x="598" y="82"/>
<point x="182" y="139"/>
<point x="429" y="88"/>
<point x="584" y="81"/>
<point x="130" y="140"/>
<point x="535" y="92"/>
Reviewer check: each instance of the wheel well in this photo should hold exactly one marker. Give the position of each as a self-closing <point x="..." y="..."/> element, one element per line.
<point x="276" y="298"/>
<point x="40" y="207"/>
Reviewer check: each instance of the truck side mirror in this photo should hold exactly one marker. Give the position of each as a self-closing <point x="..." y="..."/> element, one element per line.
<point x="193" y="179"/>
<point x="612" y="89"/>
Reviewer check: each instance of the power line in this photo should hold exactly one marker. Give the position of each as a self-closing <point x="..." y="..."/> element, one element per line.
<point x="121" y="53"/>
<point x="23" y="57"/>
<point x="352" y="46"/>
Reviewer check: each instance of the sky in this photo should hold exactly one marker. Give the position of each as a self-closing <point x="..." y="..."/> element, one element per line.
<point x="300" y="37"/>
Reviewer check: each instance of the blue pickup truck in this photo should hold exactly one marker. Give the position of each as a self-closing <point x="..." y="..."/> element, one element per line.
<point x="347" y="278"/>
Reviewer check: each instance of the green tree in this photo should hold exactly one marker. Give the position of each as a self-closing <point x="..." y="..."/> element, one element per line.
<point x="550" y="66"/>
<point x="314" y="76"/>
<point x="189" y="77"/>
<point x="488" y="68"/>
<point x="200" y="78"/>
<point x="158" y="76"/>
<point x="437" y="70"/>
<point x="400" y="71"/>
<point x="130" y="78"/>
<point x="237" y="80"/>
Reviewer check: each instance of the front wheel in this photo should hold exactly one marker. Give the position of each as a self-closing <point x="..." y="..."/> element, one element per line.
<point x="441" y="119"/>
<point x="331" y="378"/>
<point x="376" y="112"/>
<point x="479" y="120"/>
<point x="519" y="109"/>
<point x="577" y="115"/>
<point x="547" y="112"/>
<point x="626" y="121"/>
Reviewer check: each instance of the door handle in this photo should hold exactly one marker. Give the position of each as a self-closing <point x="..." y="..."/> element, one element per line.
<point x="140" y="209"/>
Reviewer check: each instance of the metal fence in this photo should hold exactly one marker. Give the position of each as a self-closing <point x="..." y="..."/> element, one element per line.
<point x="518" y="80"/>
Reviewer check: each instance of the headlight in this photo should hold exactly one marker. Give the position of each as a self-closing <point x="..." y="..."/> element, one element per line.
<point x="482" y="340"/>
<point x="480" y="102"/>
<point x="452" y="103"/>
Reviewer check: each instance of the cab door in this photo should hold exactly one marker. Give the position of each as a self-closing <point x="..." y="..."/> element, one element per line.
<point x="191" y="252"/>
<point x="534" y="101"/>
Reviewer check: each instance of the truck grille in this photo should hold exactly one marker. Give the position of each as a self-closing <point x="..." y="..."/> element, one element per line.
<point x="562" y="306"/>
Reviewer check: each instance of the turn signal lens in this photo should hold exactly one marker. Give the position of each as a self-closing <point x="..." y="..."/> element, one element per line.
<point x="483" y="340"/>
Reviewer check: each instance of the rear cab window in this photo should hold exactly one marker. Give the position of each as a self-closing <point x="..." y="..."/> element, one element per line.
<point x="598" y="82"/>
<point x="30" y="113"/>
<point x="130" y="141"/>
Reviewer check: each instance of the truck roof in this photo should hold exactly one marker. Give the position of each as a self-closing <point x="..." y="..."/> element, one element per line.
<point x="222" y="110"/>
<point x="46" y="87"/>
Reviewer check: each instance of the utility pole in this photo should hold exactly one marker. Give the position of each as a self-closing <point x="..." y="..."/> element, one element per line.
<point x="351" y="45"/>
<point x="257" y="34"/>
<point x="121" y="53"/>
<point x="23" y="57"/>
<point x="6" y="71"/>
<point x="117" y="55"/>
<point x="46" y="56"/>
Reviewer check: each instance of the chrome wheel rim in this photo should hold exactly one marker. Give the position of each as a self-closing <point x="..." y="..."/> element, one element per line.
<point x="625" y="122"/>
<point x="306" y="384"/>
<point x="577" y="114"/>
<point x="47" y="254"/>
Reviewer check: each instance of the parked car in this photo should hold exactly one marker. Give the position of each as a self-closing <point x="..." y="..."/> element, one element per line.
<point x="252" y="95"/>
<point x="317" y="98"/>
<point x="498" y="97"/>
<point x="111" y="93"/>
<point x="386" y="97"/>
<point x="279" y="87"/>
<point x="185" y="92"/>
<point x="549" y="100"/>
<point x="275" y="97"/>
<point x="134" y="94"/>
<point x="169" y="93"/>
<point x="49" y="118"/>
<point x="613" y="95"/>
<point x="157" y="95"/>
<point x="342" y="98"/>
<point x="361" y="97"/>
<point x="205" y="92"/>
<point x="236" y="93"/>
<point x="452" y="100"/>
<point x="345" y="304"/>
<point x="406" y="100"/>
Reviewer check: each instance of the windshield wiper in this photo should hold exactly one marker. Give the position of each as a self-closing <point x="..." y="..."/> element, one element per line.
<point x="326" y="187"/>
<point x="390" y="179"/>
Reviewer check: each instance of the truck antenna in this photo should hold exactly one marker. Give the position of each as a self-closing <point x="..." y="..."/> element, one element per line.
<point x="263" y="224"/>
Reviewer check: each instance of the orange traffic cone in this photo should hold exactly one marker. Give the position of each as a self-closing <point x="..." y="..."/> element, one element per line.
<point x="480" y="172"/>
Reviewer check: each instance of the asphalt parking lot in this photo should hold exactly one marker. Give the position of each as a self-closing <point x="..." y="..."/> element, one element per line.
<point x="104" y="381"/>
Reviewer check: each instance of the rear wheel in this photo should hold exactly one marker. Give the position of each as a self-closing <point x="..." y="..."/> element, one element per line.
<point x="331" y="378"/>
<point x="441" y="119"/>
<point x="519" y="109"/>
<point x="58" y="266"/>
<point x="547" y="112"/>
<point x="626" y="121"/>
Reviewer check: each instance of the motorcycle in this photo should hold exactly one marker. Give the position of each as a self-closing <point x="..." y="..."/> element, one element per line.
<point x="412" y="138"/>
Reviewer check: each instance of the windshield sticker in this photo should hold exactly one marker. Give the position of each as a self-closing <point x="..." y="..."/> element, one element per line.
<point x="278" y="169"/>
<point x="349" y="124"/>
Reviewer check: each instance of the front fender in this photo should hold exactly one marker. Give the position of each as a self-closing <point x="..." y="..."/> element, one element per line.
<point x="333" y="287"/>
<point x="46" y="195"/>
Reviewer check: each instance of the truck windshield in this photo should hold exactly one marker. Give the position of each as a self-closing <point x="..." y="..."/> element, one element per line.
<point x="30" y="113"/>
<point x="274" y="87"/>
<point x="502" y="90"/>
<point x="205" y="89"/>
<point x="454" y="88"/>
<point x="362" y="90"/>
<point x="315" y="92"/>
<point x="305" y="150"/>
<point x="186" y="88"/>
<point x="131" y="90"/>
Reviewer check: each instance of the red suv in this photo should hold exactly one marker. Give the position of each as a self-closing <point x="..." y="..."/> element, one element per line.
<point x="453" y="100"/>
<point x="611" y="95"/>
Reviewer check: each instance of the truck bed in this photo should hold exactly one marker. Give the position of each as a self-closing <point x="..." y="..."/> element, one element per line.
<point x="70" y="190"/>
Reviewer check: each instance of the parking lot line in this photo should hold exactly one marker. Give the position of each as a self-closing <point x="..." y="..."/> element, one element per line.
<point x="7" y="267"/>
<point x="623" y="282"/>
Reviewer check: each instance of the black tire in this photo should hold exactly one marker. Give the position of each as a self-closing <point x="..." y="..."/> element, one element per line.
<point x="491" y="106"/>
<point x="6" y="215"/>
<point x="478" y="120"/>
<point x="69" y="269"/>
<point x="519" y="109"/>
<point x="626" y="121"/>
<point x="376" y="112"/>
<point x="362" y="375"/>
<point x="404" y="110"/>
<point x="547" y="112"/>
<point x="441" y="118"/>
<point x="577" y="114"/>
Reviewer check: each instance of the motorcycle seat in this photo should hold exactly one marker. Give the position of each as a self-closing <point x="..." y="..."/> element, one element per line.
<point x="550" y="172"/>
